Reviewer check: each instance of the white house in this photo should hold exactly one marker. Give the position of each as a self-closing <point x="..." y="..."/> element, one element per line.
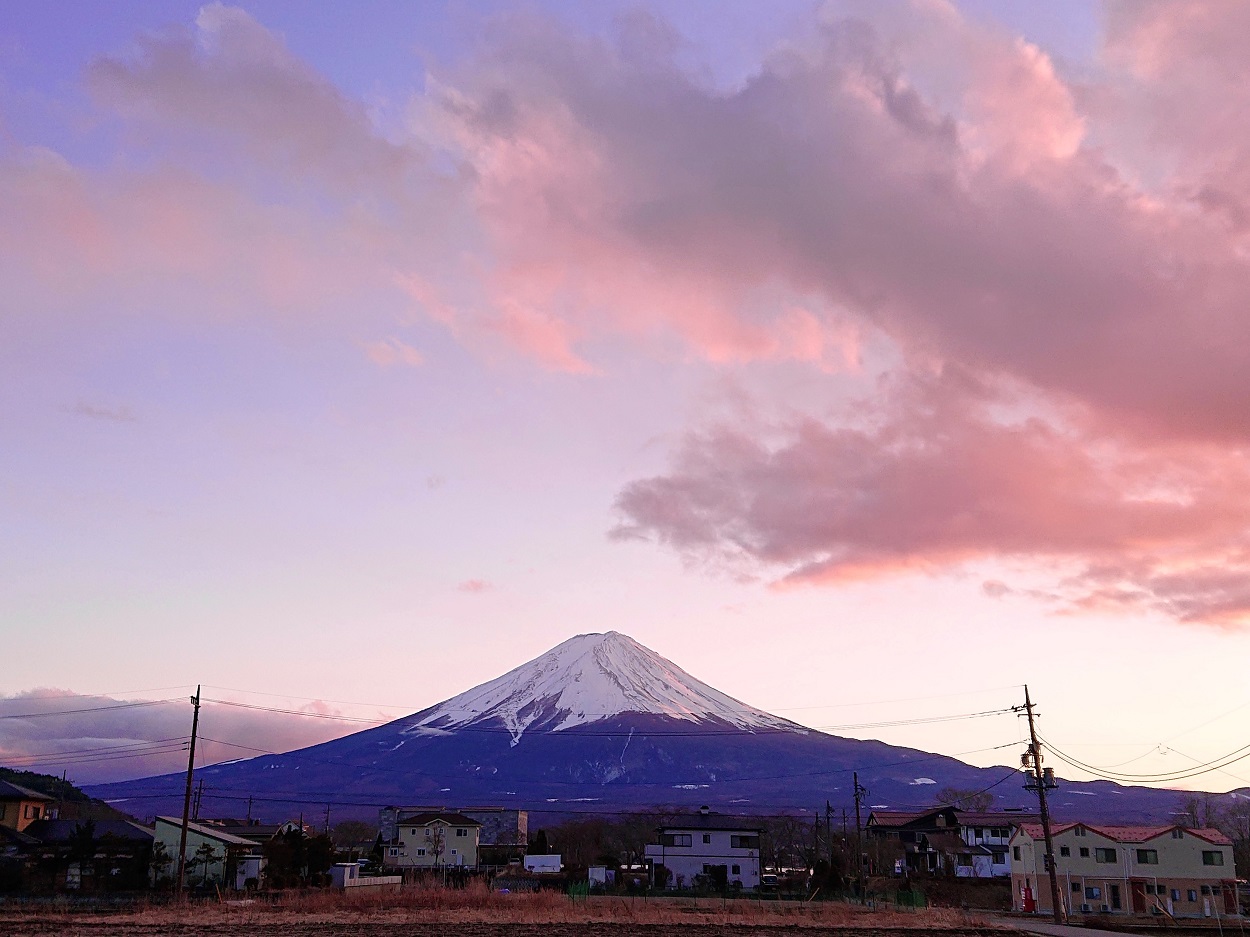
<point x="230" y="860"/>
<point x="430" y="840"/>
<point x="1166" y="870"/>
<point x="987" y="838"/>
<point x="726" y="850"/>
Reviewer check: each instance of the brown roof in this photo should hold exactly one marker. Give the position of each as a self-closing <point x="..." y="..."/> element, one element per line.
<point x="996" y="818"/>
<point x="1131" y="834"/>
<point x="451" y="819"/>
<point x="10" y="791"/>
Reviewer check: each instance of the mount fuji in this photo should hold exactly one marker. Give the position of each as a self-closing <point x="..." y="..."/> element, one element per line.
<point x="601" y="722"/>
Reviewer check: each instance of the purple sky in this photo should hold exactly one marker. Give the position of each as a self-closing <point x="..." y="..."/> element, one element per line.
<point x="866" y="359"/>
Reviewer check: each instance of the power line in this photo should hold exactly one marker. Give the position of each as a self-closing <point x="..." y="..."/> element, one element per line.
<point x="89" y="709"/>
<point x="1216" y="764"/>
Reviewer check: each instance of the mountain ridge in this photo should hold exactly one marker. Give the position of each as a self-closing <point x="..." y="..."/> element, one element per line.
<point x="601" y="722"/>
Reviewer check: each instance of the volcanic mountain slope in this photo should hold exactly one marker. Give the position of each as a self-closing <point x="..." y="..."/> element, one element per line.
<point x="600" y="722"/>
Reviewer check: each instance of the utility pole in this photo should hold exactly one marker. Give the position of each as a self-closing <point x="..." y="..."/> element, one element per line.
<point x="859" y="836"/>
<point x="199" y="797"/>
<point x="829" y="830"/>
<point x="186" y="799"/>
<point x="1042" y="780"/>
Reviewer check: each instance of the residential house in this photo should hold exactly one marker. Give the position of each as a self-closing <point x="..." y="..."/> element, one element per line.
<point x="1172" y="870"/>
<point x="504" y="831"/>
<point x="725" y="850"/>
<point x="433" y="839"/>
<point x="913" y="841"/>
<point x="213" y="856"/>
<point x="986" y="836"/>
<point x="101" y="854"/>
<point x="20" y="806"/>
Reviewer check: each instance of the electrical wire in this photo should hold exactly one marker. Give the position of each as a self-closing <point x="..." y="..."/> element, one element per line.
<point x="89" y="709"/>
<point x="1215" y="764"/>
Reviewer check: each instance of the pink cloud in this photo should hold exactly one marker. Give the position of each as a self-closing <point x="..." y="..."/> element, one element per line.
<point x="624" y="194"/>
<point x="474" y="586"/>
<point x="388" y="352"/>
<point x="935" y="479"/>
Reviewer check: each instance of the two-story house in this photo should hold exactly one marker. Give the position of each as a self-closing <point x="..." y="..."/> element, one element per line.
<point x="430" y="840"/>
<point x="913" y="841"/>
<point x="20" y="806"/>
<point x="986" y="836"/>
<point x="725" y="850"/>
<point x="1171" y="870"/>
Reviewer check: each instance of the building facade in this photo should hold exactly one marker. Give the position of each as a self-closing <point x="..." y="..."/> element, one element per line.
<point x="433" y="840"/>
<point x="986" y="836"/>
<point x="20" y="806"/>
<point x="1166" y="870"/>
<point x="725" y="851"/>
<point x="213" y="857"/>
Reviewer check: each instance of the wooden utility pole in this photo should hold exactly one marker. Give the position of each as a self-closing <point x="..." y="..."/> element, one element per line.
<point x="859" y="836"/>
<point x="1041" y="781"/>
<point x="186" y="799"/>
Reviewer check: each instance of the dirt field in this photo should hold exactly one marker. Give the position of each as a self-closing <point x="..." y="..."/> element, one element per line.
<point x="127" y="926"/>
<point x="478" y="913"/>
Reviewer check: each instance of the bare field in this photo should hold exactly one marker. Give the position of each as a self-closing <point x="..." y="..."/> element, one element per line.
<point x="477" y="913"/>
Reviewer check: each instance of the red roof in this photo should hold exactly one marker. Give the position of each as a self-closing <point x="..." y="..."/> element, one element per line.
<point x="1130" y="834"/>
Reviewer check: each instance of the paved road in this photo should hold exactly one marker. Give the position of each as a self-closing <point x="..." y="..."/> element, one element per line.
<point x="1049" y="929"/>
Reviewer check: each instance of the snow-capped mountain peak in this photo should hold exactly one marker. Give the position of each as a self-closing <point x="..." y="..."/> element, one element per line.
<point x="588" y="678"/>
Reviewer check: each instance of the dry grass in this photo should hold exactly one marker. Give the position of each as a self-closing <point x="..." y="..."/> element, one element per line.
<point x="418" y="905"/>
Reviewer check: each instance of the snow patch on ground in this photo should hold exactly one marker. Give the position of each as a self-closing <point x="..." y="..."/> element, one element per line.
<point x="923" y="781"/>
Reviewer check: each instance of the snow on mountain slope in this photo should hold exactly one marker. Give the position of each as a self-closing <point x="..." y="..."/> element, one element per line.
<point x="589" y="678"/>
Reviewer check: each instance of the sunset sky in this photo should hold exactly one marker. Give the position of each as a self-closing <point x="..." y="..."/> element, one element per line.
<point x="868" y="360"/>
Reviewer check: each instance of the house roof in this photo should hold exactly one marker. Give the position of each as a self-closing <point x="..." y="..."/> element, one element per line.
<point x="996" y="818"/>
<point x="1131" y="834"/>
<point x="11" y="837"/>
<point x="898" y="818"/>
<point x="61" y="831"/>
<point x="11" y="791"/>
<point x="714" y="821"/>
<point x="212" y="832"/>
<point x="424" y="819"/>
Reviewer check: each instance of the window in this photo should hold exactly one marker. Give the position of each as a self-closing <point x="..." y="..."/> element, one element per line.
<point x="1193" y="895"/>
<point x="1206" y="889"/>
<point x="1076" y="886"/>
<point x="1093" y="893"/>
<point x="707" y="837"/>
<point x="462" y="832"/>
<point x="453" y="852"/>
<point x="414" y="832"/>
<point x="1104" y="855"/>
<point x="1000" y="831"/>
<point x="393" y="852"/>
<point x="32" y="812"/>
<point x="1148" y="856"/>
<point x="1212" y="857"/>
<point x="976" y="832"/>
<point x="420" y="852"/>
<point x="1178" y="834"/>
<point x="744" y="842"/>
<point x="1176" y="894"/>
<point x="1065" y="851"/>
<point x="1015" y="853"/>
<point x="1084" y="852"/>
<point x="675" y="839"/>
<point x="1079" y="831"/>
<point x="735" y="870"/>
<point x="998" y="858"/>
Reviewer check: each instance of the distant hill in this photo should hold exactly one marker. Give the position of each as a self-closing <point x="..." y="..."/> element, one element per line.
<point x="73" y="803"/>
